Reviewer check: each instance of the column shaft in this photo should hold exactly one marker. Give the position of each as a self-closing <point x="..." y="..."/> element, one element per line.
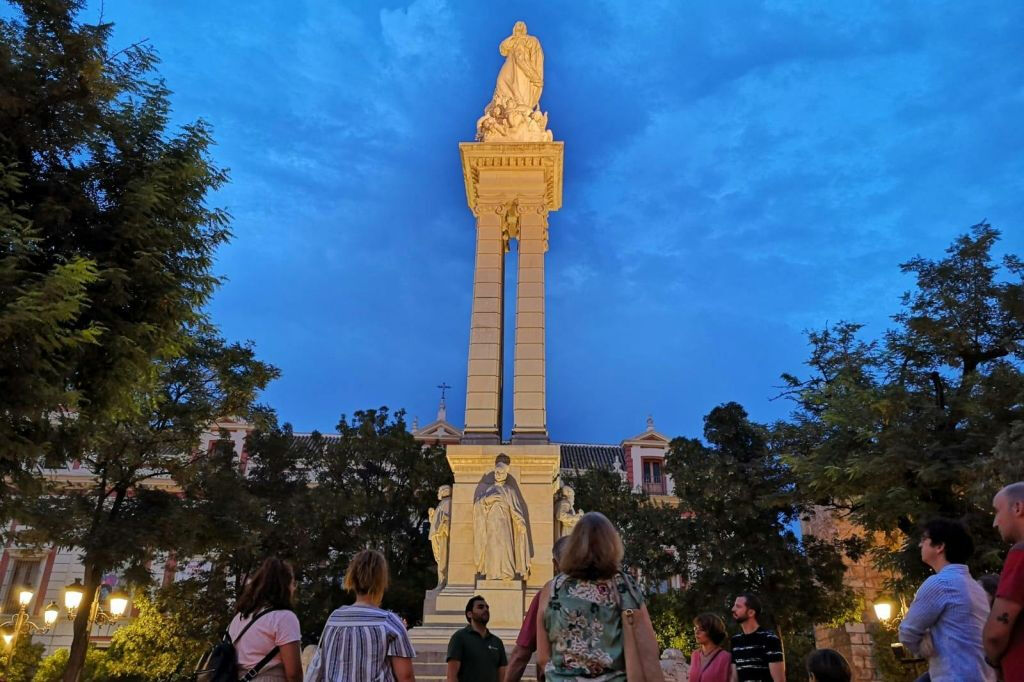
<point x="486" y="347"/>
<point x="529" y="394"/>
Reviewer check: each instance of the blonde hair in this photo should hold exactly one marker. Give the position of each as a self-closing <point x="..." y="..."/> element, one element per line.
<point x="594" y="550"/>
<point x="367" y="575"/>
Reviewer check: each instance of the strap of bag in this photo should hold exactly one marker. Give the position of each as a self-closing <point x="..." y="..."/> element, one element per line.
<point x="250" y="624"/>
<point x="255" y="670"/>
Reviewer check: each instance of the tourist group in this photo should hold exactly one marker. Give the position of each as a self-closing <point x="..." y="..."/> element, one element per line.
<point x="590" y="622"/>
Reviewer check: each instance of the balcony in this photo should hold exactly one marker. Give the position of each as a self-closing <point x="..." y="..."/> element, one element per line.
<point x="655" y="487"/>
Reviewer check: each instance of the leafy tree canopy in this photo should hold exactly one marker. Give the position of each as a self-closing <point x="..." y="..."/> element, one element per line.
<point x="927" y="420"/>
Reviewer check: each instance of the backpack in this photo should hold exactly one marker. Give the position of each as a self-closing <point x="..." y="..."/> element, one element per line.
<point x="220" y="663"/>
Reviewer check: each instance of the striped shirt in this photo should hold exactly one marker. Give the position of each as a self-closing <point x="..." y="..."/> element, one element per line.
<point x="954" y="608"/>
<point x="356" y="645"/>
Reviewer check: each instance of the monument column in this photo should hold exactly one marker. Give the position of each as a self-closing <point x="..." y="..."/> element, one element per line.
<point x="529" y="402"/>
<point x="486" y="355"/>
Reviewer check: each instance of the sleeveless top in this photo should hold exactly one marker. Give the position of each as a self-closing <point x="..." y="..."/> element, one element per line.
<point x="583" y="620"/>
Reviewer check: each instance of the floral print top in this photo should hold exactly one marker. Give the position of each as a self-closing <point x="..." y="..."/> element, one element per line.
<point x="584" y="625"/>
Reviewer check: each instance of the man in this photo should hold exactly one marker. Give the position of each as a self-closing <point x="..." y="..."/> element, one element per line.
<point x="756" y="651"/>
<point x="1004" y="631"/>
<point x="474" y="653"/>
<point x="949" y="605"/>
<point x="526" y="642"/>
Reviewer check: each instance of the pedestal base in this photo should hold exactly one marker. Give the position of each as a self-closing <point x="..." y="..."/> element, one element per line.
<point x="505" y="597"/>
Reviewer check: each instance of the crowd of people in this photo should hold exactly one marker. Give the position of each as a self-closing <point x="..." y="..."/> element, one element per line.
<point x="590" y="621"/>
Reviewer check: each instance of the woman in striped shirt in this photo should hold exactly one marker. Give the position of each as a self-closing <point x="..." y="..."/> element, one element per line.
<point x="363" y="642"/>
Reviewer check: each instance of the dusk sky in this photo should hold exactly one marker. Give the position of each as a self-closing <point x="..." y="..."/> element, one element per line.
<point x="736" y="173"/>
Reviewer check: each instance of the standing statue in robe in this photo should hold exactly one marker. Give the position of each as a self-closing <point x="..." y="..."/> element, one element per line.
<point x="440" y="530"/>
<point x="514" y="114"/>
<point x="521" y="78"/>
<point x="501" y="526"/>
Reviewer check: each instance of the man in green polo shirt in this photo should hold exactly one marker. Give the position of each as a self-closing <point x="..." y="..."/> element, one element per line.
<point x="474" y="653"/>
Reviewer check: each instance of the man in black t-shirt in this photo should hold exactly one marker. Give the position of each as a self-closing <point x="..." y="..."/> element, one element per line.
<point x="756" y="651"/>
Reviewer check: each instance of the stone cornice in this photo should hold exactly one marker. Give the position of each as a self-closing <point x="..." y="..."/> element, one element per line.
<point x="513" y="157"/>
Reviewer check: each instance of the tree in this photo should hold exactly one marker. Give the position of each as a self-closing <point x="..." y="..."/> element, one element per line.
<point x="740" y="497"/>
<point x="38" y="311"/>
<point x="655" y="536"/>
<point x="374" y="484"/>
<point x="110" y="207"/>
<point x="927" y="420"/>
<point x="316" y="501"/>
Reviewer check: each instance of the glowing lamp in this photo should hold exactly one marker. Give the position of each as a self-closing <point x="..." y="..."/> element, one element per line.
<point x="73" y="594"/>
<point x="50" y="614"/>
<point x="118" y="604"/>
<point x="25" y="596"/>
<point x="8" y="638"/>
<point x="883" y="610"/>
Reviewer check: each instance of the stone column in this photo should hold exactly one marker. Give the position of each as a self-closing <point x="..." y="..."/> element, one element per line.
<point x="529" y="402"/>
<point x="486" y="355"/>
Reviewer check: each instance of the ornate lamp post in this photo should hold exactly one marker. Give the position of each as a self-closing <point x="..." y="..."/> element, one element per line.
<point x="73" y="594"/>
<point x="12" y="630"/>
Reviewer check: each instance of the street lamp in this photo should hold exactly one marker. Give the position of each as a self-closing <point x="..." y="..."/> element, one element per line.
<point x="883" y="610"/>
<point x="73" y="594"/>
<point x="21" y="625"/>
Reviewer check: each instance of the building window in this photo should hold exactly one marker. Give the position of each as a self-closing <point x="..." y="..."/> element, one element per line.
<point x="654" y="484"/>
<point x="24" y="572"/>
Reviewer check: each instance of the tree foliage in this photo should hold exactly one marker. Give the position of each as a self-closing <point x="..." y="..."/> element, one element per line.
<point x="316" y="501"/>
<point x="654" y="534"/>
<point x="105" y="272"/>
<point x="742" y="503"/>
<point x="927" y="420"/>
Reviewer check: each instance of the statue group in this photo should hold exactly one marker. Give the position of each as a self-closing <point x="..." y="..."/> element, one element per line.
<point x="502" y="542"/>
<point x="513" y="114"/>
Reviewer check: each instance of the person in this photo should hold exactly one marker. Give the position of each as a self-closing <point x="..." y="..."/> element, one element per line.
<point x="264" y="628"/>
<point x="827" y="665"/>
<point x="363" y="642"/>
<point x="949" y="605"/>
<point x="1004" y="630"/>
<point x="526" y="642"/>
<point x="710" y="662"/>
<point x="580" y="614"/>
<point x="475" y="654"/>
<point x="756" y="650"/>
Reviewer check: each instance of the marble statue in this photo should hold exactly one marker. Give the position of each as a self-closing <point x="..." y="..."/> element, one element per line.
<point x="674" y="666"/>
<point x="513" y="114"/>
<point x="501" y="526"/>
<point x="565" y="514"/>
<point x="440" y="529"/>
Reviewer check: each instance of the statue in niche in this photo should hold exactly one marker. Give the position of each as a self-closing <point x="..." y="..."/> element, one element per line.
<point x="565" y="514"/>
<point x="440" y="530"/>
<point x="513" y="115"/>
<point x="502" y="542"/>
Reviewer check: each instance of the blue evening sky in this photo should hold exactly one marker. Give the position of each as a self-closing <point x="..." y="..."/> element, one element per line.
<point x="736" y="173"/>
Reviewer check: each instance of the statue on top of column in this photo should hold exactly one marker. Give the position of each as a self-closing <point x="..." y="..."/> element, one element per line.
<point x="513" y="114"/>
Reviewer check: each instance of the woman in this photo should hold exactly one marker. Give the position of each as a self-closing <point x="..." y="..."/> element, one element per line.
<point x="710" y="662"/>
<point x="579" y="617"/>
<point x="827" y="665"/>
<point x="363" y="642"/>
<point x="265" y="629"/>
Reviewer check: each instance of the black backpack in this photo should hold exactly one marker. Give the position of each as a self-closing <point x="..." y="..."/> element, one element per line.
<point x="220" y="663"/>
